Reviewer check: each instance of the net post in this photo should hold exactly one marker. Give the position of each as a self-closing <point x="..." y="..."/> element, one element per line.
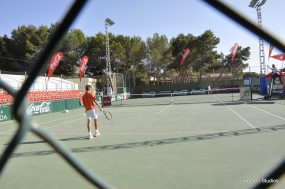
<point x="232" y="95"/>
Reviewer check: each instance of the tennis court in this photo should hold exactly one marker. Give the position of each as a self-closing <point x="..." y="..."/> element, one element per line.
<point x="200" y="143"/>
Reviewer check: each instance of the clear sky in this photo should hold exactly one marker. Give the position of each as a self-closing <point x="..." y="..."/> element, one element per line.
<point x="145" y="17"/>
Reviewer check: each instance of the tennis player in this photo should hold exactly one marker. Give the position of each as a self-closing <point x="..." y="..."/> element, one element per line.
<point x="89" y="101"/>
<point x="275" y="72"/>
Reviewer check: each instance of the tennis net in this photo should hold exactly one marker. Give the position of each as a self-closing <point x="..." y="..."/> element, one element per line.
<point x="178" y="97"/>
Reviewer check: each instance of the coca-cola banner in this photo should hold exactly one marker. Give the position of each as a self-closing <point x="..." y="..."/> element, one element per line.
<point x="234" y="51"/>
<point x="270" y="50"/>
<point x="83" y="64"/>
<point x="185" y="54"/>
<point x="175" y="93"/>
<point x="277" y="91"/>
<point x="37" y="108"/>
<point x="150" y="94"/>
<point x="55" y="60"/>
<point x="279" y="57"/>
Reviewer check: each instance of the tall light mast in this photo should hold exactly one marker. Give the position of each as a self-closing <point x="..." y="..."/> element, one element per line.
<point x="108" y="22"/>
<point x="256" y="4"/>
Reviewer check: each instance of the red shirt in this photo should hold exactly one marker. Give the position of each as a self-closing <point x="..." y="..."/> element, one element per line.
<point x="88" y="100"/>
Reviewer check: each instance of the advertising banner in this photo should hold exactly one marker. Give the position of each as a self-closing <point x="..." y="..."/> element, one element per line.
<point x="37" y="108"/>
<point x="5" y="113"/>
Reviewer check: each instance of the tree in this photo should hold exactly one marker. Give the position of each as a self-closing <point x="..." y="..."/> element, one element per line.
<point x="24" y="46"/>
<point x="158" y="53"/>
<point x="201" y="59"/>
<point x="96" y="51"/>
<point x="226" y="65"/>
<point x="73" y="47"/>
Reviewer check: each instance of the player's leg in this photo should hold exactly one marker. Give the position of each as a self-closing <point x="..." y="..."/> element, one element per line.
<point x="89" y="118"/>
<point x="97" y="133"/>
<point x="89" y="128"/>
<point x="96" y="125"/>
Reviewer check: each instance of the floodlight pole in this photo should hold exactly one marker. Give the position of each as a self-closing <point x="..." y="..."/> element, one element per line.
<point x="256" y="4"/>
<point x="108" y="22"/>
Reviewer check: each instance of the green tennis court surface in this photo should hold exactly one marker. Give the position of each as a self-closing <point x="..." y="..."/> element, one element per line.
<point x="209" y="144"/>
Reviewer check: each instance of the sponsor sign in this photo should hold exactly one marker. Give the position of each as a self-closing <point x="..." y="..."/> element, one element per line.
<point x="5" y="113"/>
<point x="120" y="97"/>
<point x="150" y="94"/>
<point x="198" y="91"/>
<point x="247" y="79"/>
<point x="180" y="93"/>
<point x="37" y="108"/>
<point x="107" y="101"/>
<point x="175" y="93"/>
<point x="113" y="98"/>
<point x="277" y="91"/>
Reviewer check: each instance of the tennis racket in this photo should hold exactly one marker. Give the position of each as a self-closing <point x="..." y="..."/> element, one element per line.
<point x="107" y="114"/>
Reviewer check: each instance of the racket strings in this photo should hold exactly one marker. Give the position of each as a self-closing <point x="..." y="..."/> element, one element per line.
<point x="108" y="115"/>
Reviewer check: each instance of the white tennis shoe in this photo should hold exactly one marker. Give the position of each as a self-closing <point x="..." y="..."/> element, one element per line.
<point x="96" y="134"/>
<point x="90" y="137"/>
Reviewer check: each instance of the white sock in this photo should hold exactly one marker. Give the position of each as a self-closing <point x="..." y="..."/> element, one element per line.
<point x="90" y="133"/>
<point x="97" y="131"/>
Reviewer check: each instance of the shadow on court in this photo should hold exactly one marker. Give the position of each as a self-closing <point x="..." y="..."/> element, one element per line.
<point x="155" y="142"/>
<point x="40" y="142"/>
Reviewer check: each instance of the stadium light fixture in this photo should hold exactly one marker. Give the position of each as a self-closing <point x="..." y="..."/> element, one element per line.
<point x="109" y="22"/>
<point x="253" y="3"/>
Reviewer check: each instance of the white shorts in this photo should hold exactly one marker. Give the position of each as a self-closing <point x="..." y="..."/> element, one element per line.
<point x="92" y="114"/>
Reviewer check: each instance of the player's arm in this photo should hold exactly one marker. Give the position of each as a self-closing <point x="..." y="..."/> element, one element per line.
<point x="98" y="105"/>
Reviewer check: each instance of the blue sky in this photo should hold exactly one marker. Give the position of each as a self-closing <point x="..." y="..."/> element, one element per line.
<point x="145" y="17"/>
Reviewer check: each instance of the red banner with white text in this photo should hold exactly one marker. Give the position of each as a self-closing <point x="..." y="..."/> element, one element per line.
<point x="55" y="60"/>
<point x="185" y="54"/>
<point x="83" y="64"/>
<point x="270" y="50"/>
<point x="279" y="57"/>
<point x="234" y="51"/>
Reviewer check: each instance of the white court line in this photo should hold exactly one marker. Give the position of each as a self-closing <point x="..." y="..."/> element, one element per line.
<point x="48" y="127"/>
<point x="170" y="113"/>
<point x="63" y="123"/>
<point x="237" y="114"/>
<point x="266" y="112"/>
<point x="164" y="109"/>
<point x="44" y="122"/>
<point x="53" y="121"/>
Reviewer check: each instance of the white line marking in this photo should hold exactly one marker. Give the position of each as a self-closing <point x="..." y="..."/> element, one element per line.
<point x="62" y="123"/>
<point x="164" y="109"/>
<point x="237" y="114"/>
<point x="267" y="112"/>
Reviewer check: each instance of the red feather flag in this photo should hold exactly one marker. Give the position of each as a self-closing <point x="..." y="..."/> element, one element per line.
<point x="83" y="64"/>
<point x="234" y="51"/>
<point x="270" y="50"/>
<point x="279" y="57"/>
<point x="55" y="60"/>
<point x="185" y="54"/>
